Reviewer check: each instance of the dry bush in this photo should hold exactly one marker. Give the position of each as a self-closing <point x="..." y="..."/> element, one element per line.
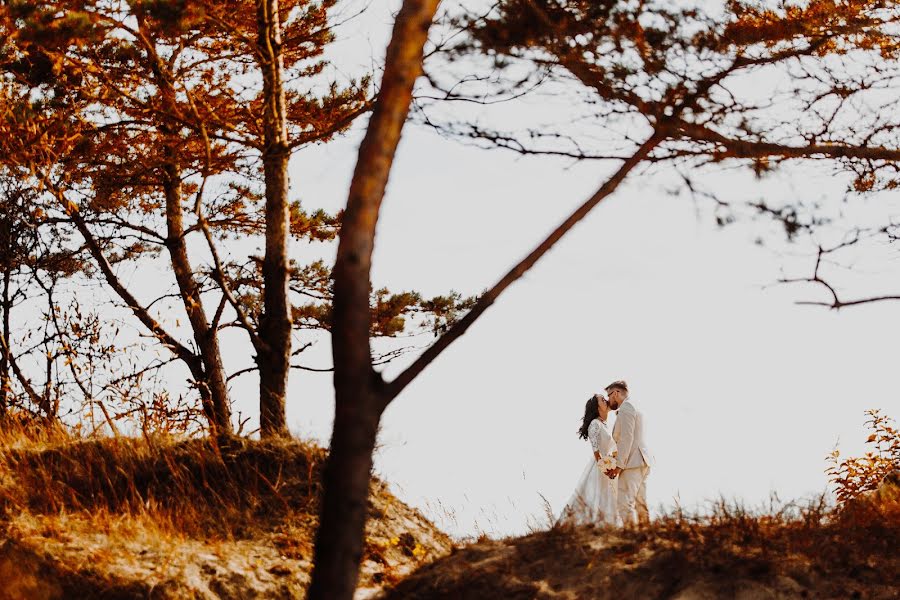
<point x="739" y="541"/>
<point x="854" y="476"/>
<point x="861" y="531"/>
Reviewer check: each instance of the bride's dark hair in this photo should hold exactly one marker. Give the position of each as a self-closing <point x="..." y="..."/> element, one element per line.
<point x="591" y="412"/>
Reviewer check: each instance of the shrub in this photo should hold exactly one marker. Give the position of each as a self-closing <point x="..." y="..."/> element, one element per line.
<point x="854" y="476"/>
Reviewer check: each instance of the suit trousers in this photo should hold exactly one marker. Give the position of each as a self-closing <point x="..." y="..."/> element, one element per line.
<point x="632" y="497"/>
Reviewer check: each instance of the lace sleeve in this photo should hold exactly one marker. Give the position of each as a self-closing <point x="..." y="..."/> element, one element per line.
<point x="594" y="433"/>
<point x="607" y="444"/>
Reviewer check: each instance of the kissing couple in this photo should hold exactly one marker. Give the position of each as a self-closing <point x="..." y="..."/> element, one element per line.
<point x="612" y="489"/>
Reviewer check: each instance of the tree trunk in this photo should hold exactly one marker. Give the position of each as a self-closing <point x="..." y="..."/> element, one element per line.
<point x="340" y="537"/>
<point x="274" y="356"/>
<point x="213" y="386"/>
<point x="182" y="352"/>
<point x="4" y="358"/>
<point x="359" y="390"/>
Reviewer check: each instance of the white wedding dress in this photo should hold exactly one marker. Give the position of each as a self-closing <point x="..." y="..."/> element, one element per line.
<point x="594" y="499"/>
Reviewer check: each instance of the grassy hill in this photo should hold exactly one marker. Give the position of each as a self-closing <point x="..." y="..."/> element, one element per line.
<point x="813" y="552"/>
<point x="157" y="517"/>
<point x="164" y="518"/>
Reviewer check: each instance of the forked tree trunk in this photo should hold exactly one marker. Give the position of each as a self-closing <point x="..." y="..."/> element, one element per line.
<point x="273" y="356"/>
<point x="213" y="385"/>
<point x="210" y="372"/>
<point x="182" y="352"/>
<point x="359" y="391"/>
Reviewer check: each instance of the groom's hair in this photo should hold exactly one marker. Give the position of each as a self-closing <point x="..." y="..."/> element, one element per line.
<point x="618" y="385"/>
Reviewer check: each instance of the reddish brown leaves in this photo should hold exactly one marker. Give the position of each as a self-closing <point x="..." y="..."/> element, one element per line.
<point x="856" y="475"/>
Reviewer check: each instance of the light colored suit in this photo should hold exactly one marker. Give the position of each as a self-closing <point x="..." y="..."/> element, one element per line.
<point x="628" y="433"/>
<point x="635" y="460"/>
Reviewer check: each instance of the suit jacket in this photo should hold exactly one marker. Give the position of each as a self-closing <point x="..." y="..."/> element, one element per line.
<point x="628" y="433"/>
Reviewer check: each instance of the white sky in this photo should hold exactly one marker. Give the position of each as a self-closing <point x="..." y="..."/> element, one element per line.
<point x="744" y="393"/>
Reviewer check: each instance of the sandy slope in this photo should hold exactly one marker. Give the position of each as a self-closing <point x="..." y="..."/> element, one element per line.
<point x="116" y="519"/>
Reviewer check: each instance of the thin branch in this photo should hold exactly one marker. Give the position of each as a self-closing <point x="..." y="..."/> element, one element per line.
<point x="312" y="369"/>
<point x="139" y="311"/>
<point x="141" y="373"/>
<point x="750" y="149"/>
<point x="42" y="402"/>
<point x="817" y="279"/>
<point x="838" y="304"/>
<point x="219" y="277"/>
<point x="237" y="374"/>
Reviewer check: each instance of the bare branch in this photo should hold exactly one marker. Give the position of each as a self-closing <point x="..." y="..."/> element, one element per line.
<point x="167" y="339"/>
<point x="39" y="400"/>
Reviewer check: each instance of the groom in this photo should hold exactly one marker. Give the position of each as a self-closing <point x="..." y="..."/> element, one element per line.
<point x="633" y="459"/>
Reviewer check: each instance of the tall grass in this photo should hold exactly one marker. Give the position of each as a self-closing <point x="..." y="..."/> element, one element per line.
<point x="196" y="486"/>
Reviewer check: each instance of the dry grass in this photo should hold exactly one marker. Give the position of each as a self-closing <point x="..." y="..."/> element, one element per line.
<point x="185" y="518"/>
<point x="813" y="551"/>
<point x="191" y="486"/>
<point x="124" y="517"/>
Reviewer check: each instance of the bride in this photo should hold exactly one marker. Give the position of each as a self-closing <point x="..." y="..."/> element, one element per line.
<point x="594" y="499"/>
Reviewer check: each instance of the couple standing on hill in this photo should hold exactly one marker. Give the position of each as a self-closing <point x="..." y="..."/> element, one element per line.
<point x="613" y="487"/>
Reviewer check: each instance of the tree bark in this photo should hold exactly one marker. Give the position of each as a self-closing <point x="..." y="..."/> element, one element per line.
<point x="359" y="390"/>
<point x="208" y="371"/>
<point x="273" y="357"/>
<point x="4" y="358"/>
<point x="341" y="534"/>
<point x="213" y="385"/>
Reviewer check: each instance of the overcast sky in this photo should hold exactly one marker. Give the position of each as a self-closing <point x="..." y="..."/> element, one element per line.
<point x="744" y="393"/>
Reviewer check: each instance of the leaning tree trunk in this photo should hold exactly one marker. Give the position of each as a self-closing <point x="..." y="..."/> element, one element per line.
<point x="213" y="385"/>
<point x="359" y="392"/>
<point x="273" y="356"/>
<point x="179" y="350"/>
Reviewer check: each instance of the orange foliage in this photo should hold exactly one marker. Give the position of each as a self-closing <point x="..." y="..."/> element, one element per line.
<point x="854" y="476"/>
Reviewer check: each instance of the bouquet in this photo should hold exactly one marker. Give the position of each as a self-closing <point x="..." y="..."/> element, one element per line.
<point x="606" y="463"/>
